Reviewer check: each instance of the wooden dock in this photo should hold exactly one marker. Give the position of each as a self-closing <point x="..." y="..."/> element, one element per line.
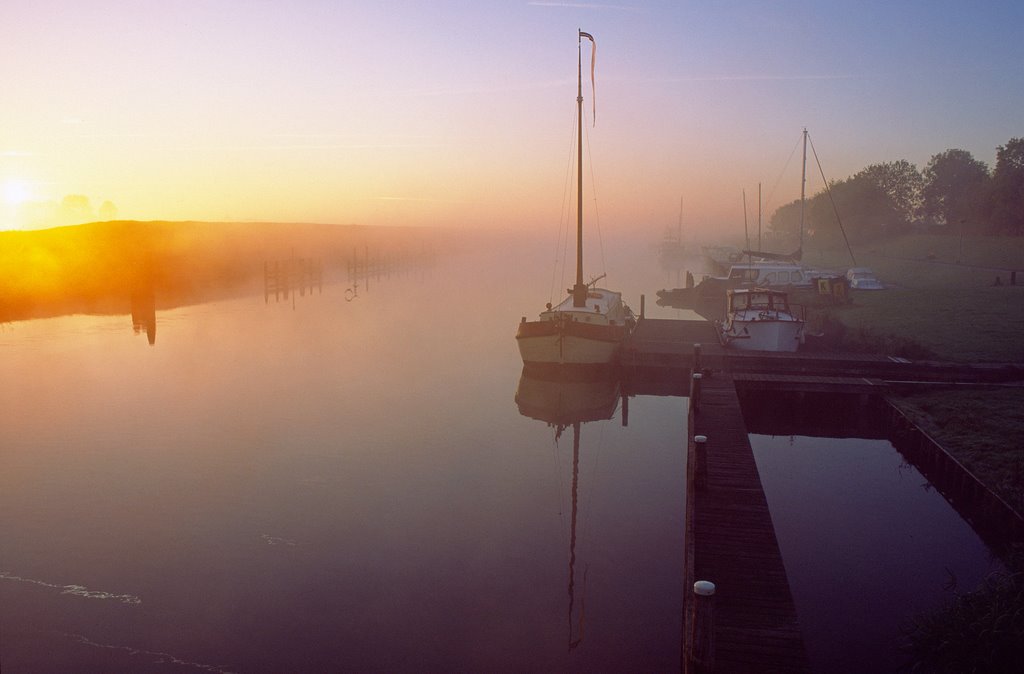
<point x="731" y="542"/>
<point x="750" y="623"/>
<point x="660" y="348"/>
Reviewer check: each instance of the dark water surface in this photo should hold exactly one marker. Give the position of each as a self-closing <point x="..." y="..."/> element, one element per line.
<point x="342" y="485"/>
<point x="867" y="545"/>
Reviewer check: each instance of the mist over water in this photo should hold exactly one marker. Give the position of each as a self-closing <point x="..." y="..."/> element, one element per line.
<point x="362" y="478"/>
<point x="326" y="485"/>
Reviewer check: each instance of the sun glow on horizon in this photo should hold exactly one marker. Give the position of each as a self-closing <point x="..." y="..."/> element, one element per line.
<point x="16" y="191"/>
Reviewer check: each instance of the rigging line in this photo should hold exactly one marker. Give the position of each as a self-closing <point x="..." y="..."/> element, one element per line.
<point x="593" y="189"/>
<point x="564" y="218"/>
<point x="779" y="179"/>
<point x="832" y="200"/>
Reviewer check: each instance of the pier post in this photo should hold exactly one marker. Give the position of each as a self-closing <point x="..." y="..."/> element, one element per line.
<point x="696" y="357"/>
<point x="700" y="468"/>
<point x="702" y="636"/>
<point x="643" y="302"/>
<point x="695" y="382"/>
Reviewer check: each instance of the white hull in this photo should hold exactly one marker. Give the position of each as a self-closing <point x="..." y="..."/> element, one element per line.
<point x="764" y="335"/>
<point x="566" y="350"/>
<point x="760" y="319"/>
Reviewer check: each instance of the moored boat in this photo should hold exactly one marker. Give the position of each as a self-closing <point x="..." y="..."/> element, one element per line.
<point x="587" y="327"/>
<point x="570" y="335"/>
<point x="760" y="319"/>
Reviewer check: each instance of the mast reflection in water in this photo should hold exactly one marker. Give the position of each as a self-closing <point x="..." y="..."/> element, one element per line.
<point x="305" y="484"/>
<point x="564" y="402"/>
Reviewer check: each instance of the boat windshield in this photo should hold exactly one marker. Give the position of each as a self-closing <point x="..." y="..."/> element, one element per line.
<point x="762" y="301"/>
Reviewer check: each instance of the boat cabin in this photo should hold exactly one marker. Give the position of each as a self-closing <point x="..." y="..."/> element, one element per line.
<point x="760" y="274"/>
<point x="758" y="299"/>
<point x="604" y="307"/>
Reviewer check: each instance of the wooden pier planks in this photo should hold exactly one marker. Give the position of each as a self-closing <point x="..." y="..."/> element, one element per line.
<point x="731" y="542"/>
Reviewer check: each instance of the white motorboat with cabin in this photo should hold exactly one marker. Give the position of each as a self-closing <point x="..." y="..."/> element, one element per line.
<point x="760" y="319"/>
<point x="587" y="327"/>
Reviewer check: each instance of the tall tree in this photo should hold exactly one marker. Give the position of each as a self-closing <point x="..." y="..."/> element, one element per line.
<point x="902" y="183"/>
<point x="955" y="189"/>
<point x="1006" y="200"/>
<point x="786" y="220"/>
<point x="866" y="211"/>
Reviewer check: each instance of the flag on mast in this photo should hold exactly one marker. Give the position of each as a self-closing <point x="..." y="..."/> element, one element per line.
<point x="593" y="60"/>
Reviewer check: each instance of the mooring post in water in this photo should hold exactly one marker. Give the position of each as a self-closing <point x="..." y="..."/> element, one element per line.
<point x="695" y="382"/>
<point x="643" y="301"/>
<point x="700" y="469"/>
<point x="696" y="357"/>
<point x="702" y="631"/>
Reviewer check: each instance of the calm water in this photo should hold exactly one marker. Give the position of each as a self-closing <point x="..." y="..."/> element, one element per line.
<point x="866" y="542"/>
<point x="372" y="485"/>
<point x="334" y="486"/>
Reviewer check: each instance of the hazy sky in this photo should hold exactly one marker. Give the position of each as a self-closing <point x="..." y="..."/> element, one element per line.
<point x="452" y="112"/>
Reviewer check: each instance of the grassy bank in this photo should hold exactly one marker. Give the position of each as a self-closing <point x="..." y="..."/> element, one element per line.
<point x="942" y="302"/>
<point x="941" y="296"/>
<point x="983" y="429"/>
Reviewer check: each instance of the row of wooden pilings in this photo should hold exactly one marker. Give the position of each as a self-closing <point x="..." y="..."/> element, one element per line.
<point x="291" y="276"/>
<point x="699" y="621"/>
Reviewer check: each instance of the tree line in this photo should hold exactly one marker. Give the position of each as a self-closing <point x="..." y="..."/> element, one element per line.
<point x="955" y="193"/>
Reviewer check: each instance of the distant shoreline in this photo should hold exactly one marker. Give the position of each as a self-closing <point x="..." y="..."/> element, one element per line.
<point x="96" y="268"/>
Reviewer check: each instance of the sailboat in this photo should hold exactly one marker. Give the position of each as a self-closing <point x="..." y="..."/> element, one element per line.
<point x="587" y="327"/>
<point x="796" y="255"/>
<point x="671" y="250"/>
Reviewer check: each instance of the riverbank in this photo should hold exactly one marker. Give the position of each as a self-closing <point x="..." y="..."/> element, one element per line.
<point x="943" y="301"/>
<point x="96" y="267"/>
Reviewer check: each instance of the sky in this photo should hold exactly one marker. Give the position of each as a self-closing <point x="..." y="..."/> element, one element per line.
<point x="462" y="114"/>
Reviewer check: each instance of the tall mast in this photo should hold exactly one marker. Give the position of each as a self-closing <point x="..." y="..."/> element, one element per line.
<point x="759" y="217"/>
<point x="679" y="233"/>
<point x="579" y="291"/>
<point x="803" y="183"/>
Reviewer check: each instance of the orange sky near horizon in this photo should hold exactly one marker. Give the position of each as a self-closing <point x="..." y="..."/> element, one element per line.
<point x="461" y="113"/>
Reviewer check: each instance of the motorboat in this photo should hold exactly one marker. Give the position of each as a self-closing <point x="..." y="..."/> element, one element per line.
<point x="760" y="319"/>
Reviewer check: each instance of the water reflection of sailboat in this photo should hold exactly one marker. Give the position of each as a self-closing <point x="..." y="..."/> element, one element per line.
<point x="564" y="402"/>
